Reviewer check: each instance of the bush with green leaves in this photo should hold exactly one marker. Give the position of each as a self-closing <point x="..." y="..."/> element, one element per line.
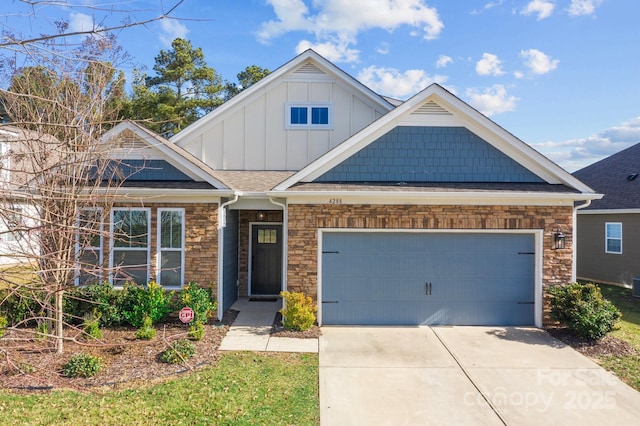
<point x="3" y="325"/>
<point x="299" y="311"/>
<point x="152" y="301"/>
<point x="101" y="298"/>
<point x="196" y="331"/>
<point x="179" y="351"/>
<point x="199" y="299"/>
<point x="583" y="310"/>
<point x="146" y="332"/>
<point x="91" y="326"/>
<point x="82" y="365"/>
<point x="21" y="306"/>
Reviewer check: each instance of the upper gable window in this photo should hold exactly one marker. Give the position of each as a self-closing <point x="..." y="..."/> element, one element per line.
<point x="308" y="116"/>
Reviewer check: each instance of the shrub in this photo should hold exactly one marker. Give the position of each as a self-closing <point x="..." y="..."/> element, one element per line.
<point x="92" y="326"/>
<point x="42" y="330"/>
<point x="196" y="331"/>
<point x="3" y="325"/>
<point x="101" y="298"/>
<point x="299" y="311"/>
<point x="582" y="309"/>
<point x="199" y="299"/>
<point x="146" y="332"/>
<point x="20" y="305"/>
<point x="178" y="352"/>
<point x="82" y="365"/>
<point x="138" y="302"/>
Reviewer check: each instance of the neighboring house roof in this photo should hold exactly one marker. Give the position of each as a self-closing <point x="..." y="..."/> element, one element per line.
<point x="435" y="107"/>
<point x="617" y="177"/>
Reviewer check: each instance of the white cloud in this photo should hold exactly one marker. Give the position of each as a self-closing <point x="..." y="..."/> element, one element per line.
<point x="172" y="29"/>
<point x="489" y="65"/>
<point x="334" y="51"/>
<point x="343" y="20"/>
<point x="493" y="100"/>
<point x="443" y="61"/>
<point x="583" y="7"/>
<point x="543" y="8"/>
<point x="538" y="62"/>
<point x="574" y="154"/>
<point x="397" y="84"/>
<point x="383" y="48"/>
<point x="80" y="22"/>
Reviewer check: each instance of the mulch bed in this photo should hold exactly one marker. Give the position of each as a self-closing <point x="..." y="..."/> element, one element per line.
<point x="606" y="346"/>
<point x="279" y="331"/>
<point x="28" y="365"/>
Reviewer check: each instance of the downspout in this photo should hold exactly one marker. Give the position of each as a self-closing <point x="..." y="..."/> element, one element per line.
<point x="285" y="240"/>
<point x="574" y="236"/>
<point x="222" y="223"/>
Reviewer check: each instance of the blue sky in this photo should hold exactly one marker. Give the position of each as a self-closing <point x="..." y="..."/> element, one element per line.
<point x="562" y="75"/>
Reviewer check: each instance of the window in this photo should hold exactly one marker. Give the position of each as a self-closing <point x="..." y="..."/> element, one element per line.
<point x="89" y="246"/>
<point x="308" y="116"/>
<point x="14" y="223"/>
<point x="267" y="236"/>
<point x="171" y="247"/>
<point x="613" y="238"/>
<point x="129" y="260"/>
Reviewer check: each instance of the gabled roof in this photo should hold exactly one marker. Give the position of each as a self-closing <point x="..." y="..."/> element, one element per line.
<point x="182" y="160"/>
<point x="435" y="106"/>
<point x="306" y="61"/>
<point x="617" y="177"/>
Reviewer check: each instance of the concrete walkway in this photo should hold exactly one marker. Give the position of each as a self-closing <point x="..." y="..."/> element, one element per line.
<point x="464" y="376"/>
<point x="251" y="331"/>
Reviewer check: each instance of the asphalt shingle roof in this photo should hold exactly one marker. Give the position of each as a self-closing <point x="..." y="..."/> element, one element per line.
<point x="613" y="177"/>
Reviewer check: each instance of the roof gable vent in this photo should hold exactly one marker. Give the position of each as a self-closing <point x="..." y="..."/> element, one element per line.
<point x="431" y="108"/>
<point x="309" y="68"/>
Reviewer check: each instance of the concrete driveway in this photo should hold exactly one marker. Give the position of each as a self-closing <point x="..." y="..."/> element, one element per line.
<point x="464" y="375"/>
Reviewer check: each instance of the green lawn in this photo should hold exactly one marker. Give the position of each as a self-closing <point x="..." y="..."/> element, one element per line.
<point x="625" y="367"/>
<point x="242" y="389"/>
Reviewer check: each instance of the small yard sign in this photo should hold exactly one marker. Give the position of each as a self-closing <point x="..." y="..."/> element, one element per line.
<point x="186" y="314"/>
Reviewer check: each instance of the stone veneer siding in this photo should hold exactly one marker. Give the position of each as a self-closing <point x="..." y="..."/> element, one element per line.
<point x="304" y="221"/>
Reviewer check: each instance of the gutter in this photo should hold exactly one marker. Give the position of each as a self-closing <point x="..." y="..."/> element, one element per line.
<point x="222" y="223"/>
<point x="574" y="236"/>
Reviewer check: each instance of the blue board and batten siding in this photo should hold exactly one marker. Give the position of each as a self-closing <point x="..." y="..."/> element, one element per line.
<point x="230" y="256"/>
<point x="429" y="154"/>
<point x="428" y="278"/>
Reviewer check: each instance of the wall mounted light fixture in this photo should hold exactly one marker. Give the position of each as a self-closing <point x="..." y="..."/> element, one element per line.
<point x="262" y="216"/>
<point x="559" y="239"/>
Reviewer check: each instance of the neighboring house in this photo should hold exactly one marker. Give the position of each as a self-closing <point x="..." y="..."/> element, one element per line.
<point x="608" y="242"/>
<point x="420" y="212"/>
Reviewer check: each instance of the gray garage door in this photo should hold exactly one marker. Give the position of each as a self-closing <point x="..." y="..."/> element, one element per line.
<point x="427" y="278"/>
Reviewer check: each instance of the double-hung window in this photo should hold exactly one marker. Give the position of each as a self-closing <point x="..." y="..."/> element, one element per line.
<point x="89" y="246"/>
<point x="308" y="116"/>
<point x="130" y="244"/>
<point x="613" y="238"/>
<point x="171" y="247"/>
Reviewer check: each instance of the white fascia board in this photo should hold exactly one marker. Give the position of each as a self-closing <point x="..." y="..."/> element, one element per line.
<point x="190" y="196"/>
<point x="262" y="86"/>
<point x="431" y="198"/>
<point x="610" y="211"/>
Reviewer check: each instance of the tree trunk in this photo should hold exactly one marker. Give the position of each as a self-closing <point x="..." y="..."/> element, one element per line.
<point x="59" y="313"/>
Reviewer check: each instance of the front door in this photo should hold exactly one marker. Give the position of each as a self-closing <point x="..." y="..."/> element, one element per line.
<point x="266" y="259"/>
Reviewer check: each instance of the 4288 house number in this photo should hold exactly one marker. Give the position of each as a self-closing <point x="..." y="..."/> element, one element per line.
<point x="335" y="200"/>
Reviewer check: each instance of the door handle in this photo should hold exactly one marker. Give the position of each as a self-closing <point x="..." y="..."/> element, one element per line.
<point x="427" y="288"/>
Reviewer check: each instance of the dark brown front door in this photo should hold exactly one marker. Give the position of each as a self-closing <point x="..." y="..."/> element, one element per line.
<point x="266" y="259"/>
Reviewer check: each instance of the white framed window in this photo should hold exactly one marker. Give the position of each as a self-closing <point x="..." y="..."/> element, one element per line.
<point x="15" y="221"/>
<point x="613" y="237"/>
<point x="130" y="245"/>
<point x="171" y="247"/>
<point x="89" y="246"/>
<point x="308" y="116"/>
